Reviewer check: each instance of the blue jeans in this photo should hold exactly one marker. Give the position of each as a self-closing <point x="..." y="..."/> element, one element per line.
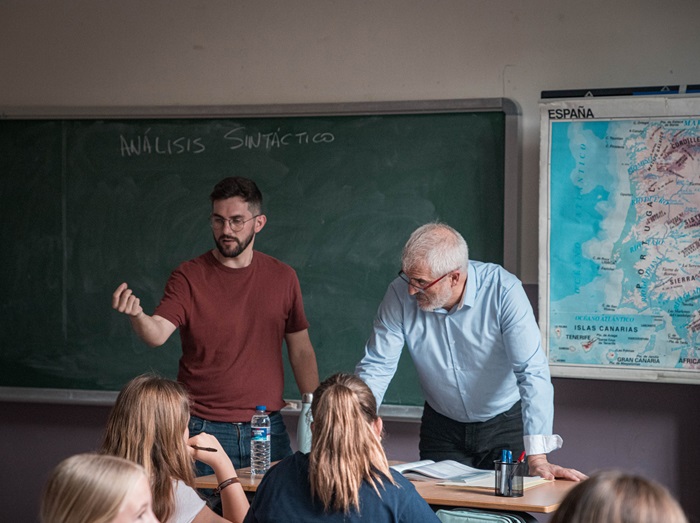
<point x="235" y="439"/>
<point x="476" y="444"/>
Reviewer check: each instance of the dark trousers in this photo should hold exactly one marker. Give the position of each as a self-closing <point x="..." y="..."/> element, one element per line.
<point x="476" y="444"/>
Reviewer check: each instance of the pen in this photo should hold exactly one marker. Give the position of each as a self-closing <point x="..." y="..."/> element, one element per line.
<point x="208" y="449"/>
<point x="513" y="472"/>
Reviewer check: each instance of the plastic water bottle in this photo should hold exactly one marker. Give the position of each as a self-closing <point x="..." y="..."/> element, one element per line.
<point x="304" y="424"/>
<point x="260" y="441"/>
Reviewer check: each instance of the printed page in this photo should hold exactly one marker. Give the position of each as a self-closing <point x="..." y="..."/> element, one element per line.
<point x="489" y="481"/>
<point x="447" y="469"/>
<point x="401" y="467"/>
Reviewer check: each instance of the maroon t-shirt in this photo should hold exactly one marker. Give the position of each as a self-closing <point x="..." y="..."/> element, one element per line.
<point x="232" y="323"/>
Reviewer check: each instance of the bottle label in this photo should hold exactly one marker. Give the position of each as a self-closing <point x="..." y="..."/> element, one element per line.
<point x="260" y="434"/>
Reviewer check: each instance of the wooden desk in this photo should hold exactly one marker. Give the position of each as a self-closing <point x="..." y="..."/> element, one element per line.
<point x="248" y="483"/>
<point x="542" y="498"/>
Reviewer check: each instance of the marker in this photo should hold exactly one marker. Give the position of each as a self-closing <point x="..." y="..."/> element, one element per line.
<point x="506" y="457"/>
<point x="510" y="476"/>
<point x="522" y="457"/>
<point x="208" y="449"/>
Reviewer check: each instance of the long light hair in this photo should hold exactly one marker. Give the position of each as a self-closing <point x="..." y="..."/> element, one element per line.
<point x="616" y="497"/>
<point x="345" y="450"/>
<point x="147" y="426"/>
<point x="437" y="245"/>
<point x="88" y="488"/>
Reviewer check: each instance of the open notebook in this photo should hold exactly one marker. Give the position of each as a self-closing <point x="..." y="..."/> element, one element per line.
<point x="447" y="469"/>
<point x="454" y="474"/>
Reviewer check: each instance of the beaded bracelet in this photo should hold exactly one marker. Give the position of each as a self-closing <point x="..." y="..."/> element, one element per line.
<point x="224" y="484"/>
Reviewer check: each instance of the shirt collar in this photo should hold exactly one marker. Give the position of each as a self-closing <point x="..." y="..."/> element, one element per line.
<point x="469" y="294"/>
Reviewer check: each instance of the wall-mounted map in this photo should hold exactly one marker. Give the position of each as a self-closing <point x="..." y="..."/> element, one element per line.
<point x="620" y="238"/>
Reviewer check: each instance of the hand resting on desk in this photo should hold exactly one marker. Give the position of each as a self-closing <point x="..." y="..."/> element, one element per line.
<point x="539" y="466"/>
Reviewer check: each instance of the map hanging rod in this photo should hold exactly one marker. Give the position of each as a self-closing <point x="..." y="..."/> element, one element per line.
<point x="622" y="91"/>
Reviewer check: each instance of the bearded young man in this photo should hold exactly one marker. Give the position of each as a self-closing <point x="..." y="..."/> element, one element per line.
<point x="233" y="307"/>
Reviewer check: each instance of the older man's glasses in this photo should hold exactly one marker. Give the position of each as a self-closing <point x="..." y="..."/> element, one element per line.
<point x="419" y="285"/>
<point x="219" y="222"/>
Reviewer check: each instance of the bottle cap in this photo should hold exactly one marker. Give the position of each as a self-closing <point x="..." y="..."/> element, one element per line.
<point x="307" y="397"/>
<point x="261" y="407"/>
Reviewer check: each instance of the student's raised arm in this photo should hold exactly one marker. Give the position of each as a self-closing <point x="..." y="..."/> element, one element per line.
<point x="234" y="502"/>
<point x="153" y="330"/>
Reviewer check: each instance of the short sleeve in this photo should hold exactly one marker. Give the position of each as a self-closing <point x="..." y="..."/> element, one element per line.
<point x="187" y="504"/>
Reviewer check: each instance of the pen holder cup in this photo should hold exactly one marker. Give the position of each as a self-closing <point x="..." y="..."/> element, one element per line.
<point x="509" y="478"/>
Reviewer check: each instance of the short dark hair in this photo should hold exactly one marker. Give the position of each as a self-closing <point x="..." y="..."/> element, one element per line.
<point x="238" y="186"/>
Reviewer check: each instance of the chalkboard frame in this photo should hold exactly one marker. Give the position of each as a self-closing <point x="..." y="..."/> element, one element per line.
<point x="512" y="188"/>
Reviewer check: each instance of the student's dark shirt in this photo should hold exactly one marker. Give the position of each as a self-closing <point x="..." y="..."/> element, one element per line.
<point x="284" y="495"/>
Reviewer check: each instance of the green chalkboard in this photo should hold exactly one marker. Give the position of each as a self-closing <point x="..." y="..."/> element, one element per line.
<point x="90" y="200"/>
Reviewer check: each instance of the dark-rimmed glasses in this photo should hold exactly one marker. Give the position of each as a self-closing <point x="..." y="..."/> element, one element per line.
<point x="418" y="286"/>
<point x="236" y="224"/>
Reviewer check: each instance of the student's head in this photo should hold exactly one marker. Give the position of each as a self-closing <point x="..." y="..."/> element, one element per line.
<point x="237" y="186"/>
<point x="433" y="261"/>
<point x="346" y="442"/>
<point x="617" y="497"/>
<point x="148" y="425"/>
<point x="92" y="488"/>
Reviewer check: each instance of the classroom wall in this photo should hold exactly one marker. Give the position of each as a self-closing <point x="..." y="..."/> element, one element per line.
<point x="219" y="52"/>
<point x="193" y="52"/>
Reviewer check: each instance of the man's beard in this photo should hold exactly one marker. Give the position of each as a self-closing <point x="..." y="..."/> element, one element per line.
<point x="429" y="303"/>
<point x="235" y="249"/>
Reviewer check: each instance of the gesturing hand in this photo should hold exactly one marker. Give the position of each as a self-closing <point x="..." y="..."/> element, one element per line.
<point x="123" y="300"/>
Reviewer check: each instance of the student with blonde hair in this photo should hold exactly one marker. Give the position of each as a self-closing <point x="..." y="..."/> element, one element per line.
<point x="91" y="488"/>
<point x="616" y="497"/>
<point x="148" y="425"/>
<point x="346" y="476"/>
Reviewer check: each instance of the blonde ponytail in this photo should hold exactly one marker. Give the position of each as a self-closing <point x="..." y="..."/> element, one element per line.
<point x="345" y="449"/>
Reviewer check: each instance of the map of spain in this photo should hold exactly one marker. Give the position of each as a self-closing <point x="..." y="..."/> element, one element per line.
<point x="624" y="242"/>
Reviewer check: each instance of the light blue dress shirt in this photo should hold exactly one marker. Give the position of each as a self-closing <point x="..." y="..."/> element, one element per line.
<point x="474" y="361"/>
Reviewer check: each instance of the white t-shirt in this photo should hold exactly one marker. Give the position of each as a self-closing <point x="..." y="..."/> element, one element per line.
<point x="187" y="504"/>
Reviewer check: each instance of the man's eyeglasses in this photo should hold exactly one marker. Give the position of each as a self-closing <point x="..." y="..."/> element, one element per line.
<point x="421" y="287"/>
<point x="236" y="224"/>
